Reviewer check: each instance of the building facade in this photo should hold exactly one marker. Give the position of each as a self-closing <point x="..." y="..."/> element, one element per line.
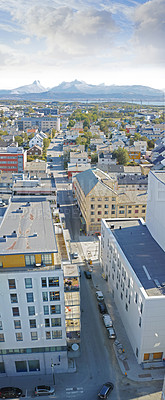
<point x="13" y="159"/>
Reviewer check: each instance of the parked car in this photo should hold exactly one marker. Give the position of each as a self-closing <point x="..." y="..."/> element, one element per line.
<point x="105" y="390"/>
<point x="10" y="392"/>
<point x="87" y="274"/>
<point x="111" y="333"/>
<point x="75" y="255"/>
<point x="43" y="390"/>
<point x="102" y="308"/>
<point x="99" y="295"/>
<point x="107" y="321"/>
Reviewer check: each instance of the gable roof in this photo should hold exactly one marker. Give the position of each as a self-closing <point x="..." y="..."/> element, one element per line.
<point x="87" y="180"/>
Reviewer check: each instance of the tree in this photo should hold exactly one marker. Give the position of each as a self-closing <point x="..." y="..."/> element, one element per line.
<point x="19" y="140"/>
<point x="121" y="155"/>
<point x="71" y="124"/>
<point x="94" y="158"/>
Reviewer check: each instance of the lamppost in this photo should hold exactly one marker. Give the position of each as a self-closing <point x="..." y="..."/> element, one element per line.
<point x="52" y="366"/>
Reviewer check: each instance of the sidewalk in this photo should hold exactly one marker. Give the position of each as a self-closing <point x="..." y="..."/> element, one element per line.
<point x="126" y="360"/>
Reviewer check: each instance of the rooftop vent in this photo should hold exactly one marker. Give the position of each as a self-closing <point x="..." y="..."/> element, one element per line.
<point x="112" y="226"/>
<point x="3" y="238"/>
<point x="14" y="234"/>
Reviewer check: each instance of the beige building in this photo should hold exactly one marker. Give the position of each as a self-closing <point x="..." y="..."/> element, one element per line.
<point x="98" y="198"/>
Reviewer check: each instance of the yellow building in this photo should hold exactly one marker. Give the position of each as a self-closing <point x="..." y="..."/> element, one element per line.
<point x="98" y="197"/>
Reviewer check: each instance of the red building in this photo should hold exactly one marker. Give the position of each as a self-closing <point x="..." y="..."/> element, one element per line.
<point x="13" y="159"/>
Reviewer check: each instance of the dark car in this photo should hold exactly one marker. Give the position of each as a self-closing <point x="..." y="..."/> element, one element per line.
<point x="105" y="390"/>
<point x="87" y="274"/>
<point x="10" y="392"/>
<point x="43" y="390"/>
<point x="102" y="308"/>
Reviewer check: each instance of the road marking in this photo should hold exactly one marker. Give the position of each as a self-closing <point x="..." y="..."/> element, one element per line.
<point x="74" y="391"/>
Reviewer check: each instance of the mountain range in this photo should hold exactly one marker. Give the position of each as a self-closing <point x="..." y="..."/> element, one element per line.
<point x="80" y="91"/>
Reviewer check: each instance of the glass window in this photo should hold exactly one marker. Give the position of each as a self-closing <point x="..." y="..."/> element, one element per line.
<point x="99" y="213"/>
<point x="34" y="335"/>
<point x="141" y="308"/>
<point x="48" y="335"/>
<point x="92" y="213"/>
<point x="46" y="310"/>
<point x="2" y="368"/>
<point x="55" y="309"/>
<point x="106" y="198"/>
<point x="55" y="322"/>
<point x="13" y="298"/>
<point x="34" y="365"/>
<point x="19" y="336"/>
<point x="136" y="298"/>
<point x="106" y="212"/>
<point x="47" y="259"/>
<point x="1" y="327"/>
<point x="21" y="366"/>
<point x="30" y="297"/>
<point x="136" y="211"/>
<point x="106" y="206"/>
<point x="31" y="310"/>
<point x="2" y="338"/>
<point x="15" y="311"/>
<point x="28" y="283"/>
<point x="17" y="324"/>
<point x="44" y="282"/>
<point x="30" y="260"/>
<point x="53" y="296"/>
<point x="45" y="296"/>
<point x="47" y="323"/>
<point x="92" y="206"/>
<point x="57" y="334"/>
<point x="11" y="283"/>
<point x="113" y="206"/>
<point x="99" y="206"/>
<point x="113" y="198"/>
<point x="32" y="323"/>
<point x="121" y="211"/>
<point x="53" y="282"/>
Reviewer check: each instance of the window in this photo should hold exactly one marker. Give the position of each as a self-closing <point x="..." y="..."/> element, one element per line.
<point x="129" y="211"/>
<point x="92" y="198"/>
<point x="143" y="211"/>
<point x="129" y="206"/>
<point x="113" y="207"/>
<point x="2" y="368"/>
<point x="45" y="296"/>
<point x="55" y="309"/>
<point x="126" y="307"/>
<point x="17" y="324"/>
<point x="44" y="282"/>
<point x="106" y="206"/>
<point x="28" y="283"/>
<point x="1" y="327"/>
<point x="140" y="322"/>
<point x="136" y="298"/>
<point x="32" y="323"/>
<point x="29" y="297"/>
<point x="122" y="296"/>
<point x="21" y="366"/>
<point x="136" y="211"/>
<point x="113" y="198"/>
<point x="19" y="336"/>
<point x="129" y="282"/>
<point x="2" y="338"/>
<point x="141" y="308"/>
<point x="30" y="260"/>
<point x="92" y="213"/>
<point x="34" y="365"/>
<point x="31" y="310"/>
<point x="99" y="219"/>
<point x="137" y="352"/>
<point x="57" y="334"/>
<point x="15" y="311"/>
<point x="106" y="198"/>
<point x="92" y="206"/>
<point x="117" y="285"/>
<point x="11" y="283"/>
<point x="34" y="335"/>
<point x="46" y="310"/>
<point x="99" y="212"/>
<point x="113" y="212"/>
<point x="54" y="296"/>
<point x="55" y="322"/>
<point x="47" y="259"/>
<point x="129" y="299"/>
<point x="92" y="219"/>
<point x="121" y="211"/>
<point x="105" y="212"/>
<point x="47" y="323"/>
<point x="99" y="206"/>
<point x="13" y="298"/>
<point x="99" y="199"/>
<point x="48" y="335"/>
<point x="53" y="282"/>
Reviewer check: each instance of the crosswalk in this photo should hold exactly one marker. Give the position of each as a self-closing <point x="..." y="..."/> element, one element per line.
<point x="73" y="392"/>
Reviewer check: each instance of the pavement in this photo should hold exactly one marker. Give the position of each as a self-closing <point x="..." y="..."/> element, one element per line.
<point x="123" y="350"/>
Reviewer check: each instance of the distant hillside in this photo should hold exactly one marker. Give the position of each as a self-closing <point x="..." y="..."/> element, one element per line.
<point x="79" y="90"/>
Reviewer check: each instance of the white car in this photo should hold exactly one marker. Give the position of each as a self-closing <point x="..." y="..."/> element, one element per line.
<point x="107" y="321"/>
<point x="111" y="333"/>
<point x="75" y="255"/>
<point x="99" y="295"/>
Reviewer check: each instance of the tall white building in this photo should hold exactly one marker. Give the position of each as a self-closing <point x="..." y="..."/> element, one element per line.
<point x="133" y="263"/>
<point x="33" y="327"/>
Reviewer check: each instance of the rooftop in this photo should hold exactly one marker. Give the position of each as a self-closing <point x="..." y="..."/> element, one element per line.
<point x="27" y="227"/>
<point x="144" y="254"/>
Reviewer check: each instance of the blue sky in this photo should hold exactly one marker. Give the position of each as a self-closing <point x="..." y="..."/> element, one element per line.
<point x="111" y="42"/>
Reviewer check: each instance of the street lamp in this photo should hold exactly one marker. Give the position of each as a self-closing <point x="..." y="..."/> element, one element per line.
<point x="52" y="366"/>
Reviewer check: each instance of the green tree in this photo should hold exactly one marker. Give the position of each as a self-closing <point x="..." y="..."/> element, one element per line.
<point x="121" y="155"/>
<point x="19" y="140"/>
<point x="71" y="124"/>
<point x="94" y="158"/>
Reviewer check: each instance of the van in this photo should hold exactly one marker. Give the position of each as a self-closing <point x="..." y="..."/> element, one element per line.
<point x="99" y="295"/>
<point x="107" y="320"/>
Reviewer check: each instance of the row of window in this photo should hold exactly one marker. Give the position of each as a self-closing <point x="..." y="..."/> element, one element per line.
<point x="102" y="199"/>
<point x="51" y="282"/>
<point x="30" y="350"/>
<point x="127" y="295"/>
<point x="53" y="296"/>
<point x="34" y="335"/>
<point x="54" y="309"/>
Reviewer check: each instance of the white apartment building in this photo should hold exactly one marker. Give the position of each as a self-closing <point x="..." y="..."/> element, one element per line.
<point x="32" y="303"/>
<point x="133" y="264"/>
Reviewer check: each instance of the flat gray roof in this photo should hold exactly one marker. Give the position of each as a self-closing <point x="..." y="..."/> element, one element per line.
<point x="143" y="253"/>
<point x="28" y="228"/>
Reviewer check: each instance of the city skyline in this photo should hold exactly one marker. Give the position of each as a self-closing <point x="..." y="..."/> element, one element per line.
<point x="119" y="43"/>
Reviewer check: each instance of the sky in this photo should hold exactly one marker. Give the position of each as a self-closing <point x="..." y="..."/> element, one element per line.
<point x="107" y="41"/>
